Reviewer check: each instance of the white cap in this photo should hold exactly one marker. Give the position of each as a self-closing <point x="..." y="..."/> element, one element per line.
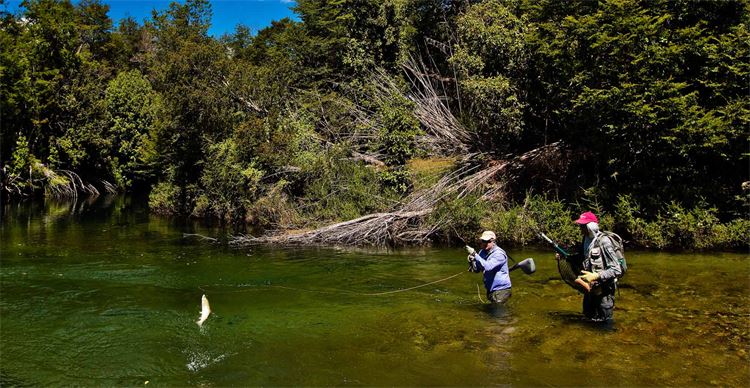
<point x="487" y="235"/>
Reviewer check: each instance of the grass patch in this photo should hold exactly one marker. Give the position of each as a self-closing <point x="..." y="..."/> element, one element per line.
<point x="425" y="172"/>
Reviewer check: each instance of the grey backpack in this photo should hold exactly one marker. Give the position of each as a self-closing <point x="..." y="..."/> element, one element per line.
<point x="619" y="250"/>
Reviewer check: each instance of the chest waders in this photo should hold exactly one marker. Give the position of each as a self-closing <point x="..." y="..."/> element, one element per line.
<point x="599" y="303"/>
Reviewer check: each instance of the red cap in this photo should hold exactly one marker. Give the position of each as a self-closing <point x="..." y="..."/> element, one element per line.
<point x="587" y="217"/>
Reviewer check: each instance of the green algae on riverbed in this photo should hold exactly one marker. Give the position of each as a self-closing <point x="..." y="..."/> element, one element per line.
<point x="108" y="295"/>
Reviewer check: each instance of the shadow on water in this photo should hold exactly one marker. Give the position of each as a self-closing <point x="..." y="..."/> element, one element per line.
<point x="580" y="321"/>
<point x="648" y="289"/>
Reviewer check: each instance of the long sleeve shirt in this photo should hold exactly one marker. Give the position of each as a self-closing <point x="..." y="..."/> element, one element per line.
<point x="604" y="261"/>
<point x="494" y="263"/>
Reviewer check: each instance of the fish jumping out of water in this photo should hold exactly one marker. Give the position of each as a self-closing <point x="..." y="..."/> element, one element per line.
<point x="205" y="310"/>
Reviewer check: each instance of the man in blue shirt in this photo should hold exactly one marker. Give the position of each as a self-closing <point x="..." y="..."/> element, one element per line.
<point x="494" y="263"/>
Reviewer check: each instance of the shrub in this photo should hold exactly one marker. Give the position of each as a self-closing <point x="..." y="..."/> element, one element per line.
<point x="459" y="218"/>
<point x="163" y="198"/>
<point x="510" y="225"/>
<point x="229" y="184"/>
<point x="274" y="210"/>
<point x="733" y="235"/>
<point x="679" y="228"/>
<point x="399" y="131"/>
<point x="396" y="180"/>
<point x="689" y="229"/>
<point x="552" y="217"/>
<point x="335" y="188"/>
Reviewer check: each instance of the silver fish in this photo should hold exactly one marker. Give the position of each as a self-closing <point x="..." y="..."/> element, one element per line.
<point x="205" y="310"/>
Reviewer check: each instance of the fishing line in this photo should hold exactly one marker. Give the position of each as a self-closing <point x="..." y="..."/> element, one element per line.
<point x="338" y="291"/>
<point x="479" y="295"/>
<point x="411" y="288"/>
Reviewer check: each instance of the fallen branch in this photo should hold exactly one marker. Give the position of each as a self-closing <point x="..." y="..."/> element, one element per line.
<point x="372" y="229"/>
<point x="66" y="184"/>
<point x="367" y="159"/>
<point x="406" y="225"/>
<point x="443" y="132"/>
<point x="108" y="187"/>
<point x="199" y="236"/>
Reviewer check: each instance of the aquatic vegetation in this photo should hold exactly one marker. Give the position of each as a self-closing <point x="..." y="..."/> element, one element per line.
<point x="117" y="289"/>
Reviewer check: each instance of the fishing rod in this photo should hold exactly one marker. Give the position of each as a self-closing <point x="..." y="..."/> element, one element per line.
<point x="568" y="272"/>
<point x="557" y="247"/>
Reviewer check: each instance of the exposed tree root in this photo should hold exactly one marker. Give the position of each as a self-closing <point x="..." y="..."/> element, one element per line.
<point x="58" y="184"/>
<point x="68" y="187"/>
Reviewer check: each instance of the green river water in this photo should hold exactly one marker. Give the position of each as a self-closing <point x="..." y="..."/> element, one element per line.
<point x="101" y="293"/>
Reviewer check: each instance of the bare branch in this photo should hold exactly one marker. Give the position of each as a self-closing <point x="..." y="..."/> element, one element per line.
<point x="406" y="224"/>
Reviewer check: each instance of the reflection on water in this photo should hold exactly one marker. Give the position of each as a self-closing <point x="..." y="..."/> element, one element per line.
<point x="497" y="313"/>
<point x="99" y="292"/>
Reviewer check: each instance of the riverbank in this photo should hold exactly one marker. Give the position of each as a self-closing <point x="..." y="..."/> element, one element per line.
<point x="517" y="226"/>
<point x="411" y="128"/>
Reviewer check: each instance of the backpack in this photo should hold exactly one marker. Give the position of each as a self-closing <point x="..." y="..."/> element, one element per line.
<point x="619" y="250"/>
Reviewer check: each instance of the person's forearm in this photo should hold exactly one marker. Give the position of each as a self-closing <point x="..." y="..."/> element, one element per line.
<point x="492" y="262"/>
<point x="612" y="266"/>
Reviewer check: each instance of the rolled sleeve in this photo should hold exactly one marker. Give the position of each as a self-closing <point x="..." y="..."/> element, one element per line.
<point x="612" y="265"/>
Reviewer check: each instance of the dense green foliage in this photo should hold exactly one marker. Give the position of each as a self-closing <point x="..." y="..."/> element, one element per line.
<point x="264" y="127"/>
<point x="674" y="226"/>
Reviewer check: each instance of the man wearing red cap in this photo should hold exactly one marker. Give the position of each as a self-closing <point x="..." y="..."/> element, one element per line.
<point x="601" y="270"/>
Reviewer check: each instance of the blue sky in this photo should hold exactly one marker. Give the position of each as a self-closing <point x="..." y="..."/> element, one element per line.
<point x="255" y="14"/>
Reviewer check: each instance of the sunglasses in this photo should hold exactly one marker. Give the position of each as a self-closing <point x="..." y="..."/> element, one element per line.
<point x="485" y="241"/>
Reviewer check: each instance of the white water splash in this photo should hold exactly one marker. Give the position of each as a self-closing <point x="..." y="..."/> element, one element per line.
<point x="199" y="361"/>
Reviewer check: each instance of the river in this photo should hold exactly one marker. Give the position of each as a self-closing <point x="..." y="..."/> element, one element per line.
<point x="102" y="293"/>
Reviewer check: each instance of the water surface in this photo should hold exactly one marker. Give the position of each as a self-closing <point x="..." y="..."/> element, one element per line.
<point x="101" y="293"/>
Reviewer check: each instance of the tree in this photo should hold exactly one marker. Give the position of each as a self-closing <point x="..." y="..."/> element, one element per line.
<point x="491" y="59"/>
<point x="133" y="112"/>
<point x="642" y="85"/>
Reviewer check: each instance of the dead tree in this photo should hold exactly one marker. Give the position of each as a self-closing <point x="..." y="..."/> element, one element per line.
<point x="407" y="224"/>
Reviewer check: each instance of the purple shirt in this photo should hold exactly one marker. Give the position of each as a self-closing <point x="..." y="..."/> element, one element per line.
<point x="495" y="266"/>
